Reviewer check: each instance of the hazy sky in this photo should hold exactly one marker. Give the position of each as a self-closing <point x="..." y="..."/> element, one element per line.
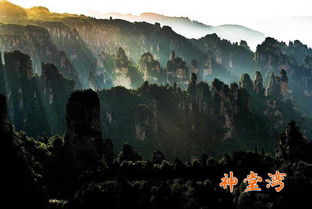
<point x="213" y="12"/>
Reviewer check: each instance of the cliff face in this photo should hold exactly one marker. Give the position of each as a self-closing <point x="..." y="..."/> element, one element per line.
<point x="151" y="69"/>
<point x="291" y="63"/>
<point x="151" y="117"/>
<point x="258" y="85"/>
<point x="269" y="58"/>
<point x="54" y="42"/>
<point x="223" y="57"/>
<point x="36" y="42"/>
<point x="217" y="58"/>
<point x="83" y="137"/>
<point x="84" y="49"/>
<point x="54" y="93"/>
<point x="77" y="51"/>
<point x="177" y="71"/>
<point x="22" y="91"/>
<point x="172" y="120"/>
<point x="120" y="73"/>
<point x="89" y="45"/>
<point x="33" y="98"/>
<point x="107" y="35"/>
<point x="2" y="80"/>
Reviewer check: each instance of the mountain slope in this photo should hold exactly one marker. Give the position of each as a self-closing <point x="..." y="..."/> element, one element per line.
<point x="88" y="42"/>
<point x="193" y="29"/>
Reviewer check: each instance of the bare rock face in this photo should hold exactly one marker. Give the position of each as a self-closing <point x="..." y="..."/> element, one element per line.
<point x="83" y="137"/>
<point x="246" y="83"/>
<point x="258" y="84"/>
<point x="18" y="65"/>
<point x="18" y="71"/>
<point x="283" y="81"/>
<point x="39" y="46"/>
<point x="177" y="71"/>
<point x="203" y="95"/>
<point x="2" y="82"/>
<point x="151" y="69"/>
<point x="122" y="69"/>
<point x="274" y="88"/>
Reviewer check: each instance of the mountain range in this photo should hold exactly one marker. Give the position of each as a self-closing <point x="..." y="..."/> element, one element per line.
<point x="84" y="52"/>
<point x="135" y="112"/>
<point x="253" y="31"/>
<point x="192" y="29"/>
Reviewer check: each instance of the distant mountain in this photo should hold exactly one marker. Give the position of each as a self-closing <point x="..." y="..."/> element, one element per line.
<point x="189" y="97"/>
<point x="91" y="44"/>
<point x="101" y="53"/>
<point x="182" y="25"/>
<point x="193" y="29"/>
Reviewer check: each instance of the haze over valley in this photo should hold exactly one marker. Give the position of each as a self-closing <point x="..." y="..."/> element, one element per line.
<point x="105" y="110"/>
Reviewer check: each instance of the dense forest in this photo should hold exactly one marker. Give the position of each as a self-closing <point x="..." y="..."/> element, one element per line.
<point x="99" y="113"/>
<point x="81" y="170"/>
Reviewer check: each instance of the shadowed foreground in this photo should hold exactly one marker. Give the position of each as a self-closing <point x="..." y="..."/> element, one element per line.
<point x="82" y="171"/>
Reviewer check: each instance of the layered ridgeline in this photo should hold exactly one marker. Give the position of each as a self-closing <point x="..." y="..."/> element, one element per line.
<point x="215" y="118"/>
<point x="91" y="44"/>
<point x="85" y="49"/>
<point x="187" y="114"/>
<point x="192" y="29"/>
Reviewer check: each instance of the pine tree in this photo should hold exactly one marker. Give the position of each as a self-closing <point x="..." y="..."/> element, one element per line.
<point x="290" y="142"/>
